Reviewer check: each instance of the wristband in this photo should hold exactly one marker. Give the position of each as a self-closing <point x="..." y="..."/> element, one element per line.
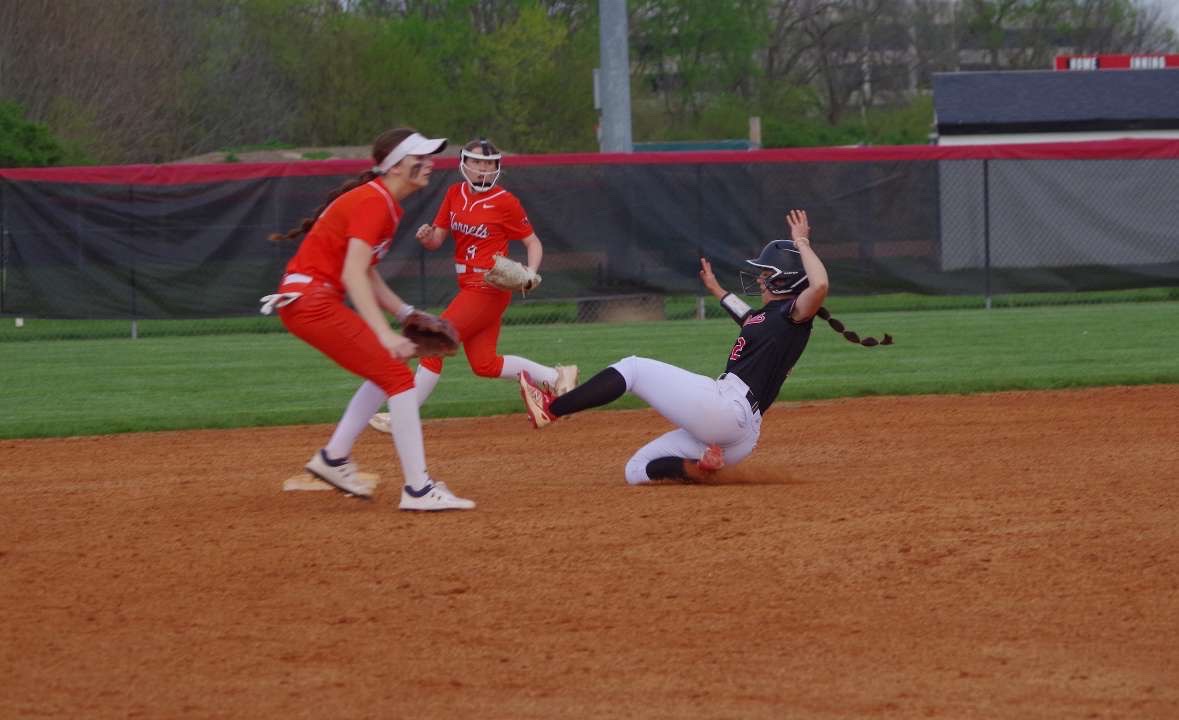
<point x="735" y="306"/>
<point x="403" y="312"/>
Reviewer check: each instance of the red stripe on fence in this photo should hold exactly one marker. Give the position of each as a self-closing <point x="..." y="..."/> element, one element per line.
<point x="184" y="173"/>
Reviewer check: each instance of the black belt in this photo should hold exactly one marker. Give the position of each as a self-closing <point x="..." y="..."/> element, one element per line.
<point x="749" y="396"/>
<point x="753" y="405"/>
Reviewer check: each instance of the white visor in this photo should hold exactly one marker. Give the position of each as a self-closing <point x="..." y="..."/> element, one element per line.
<point x="415" y="144"/>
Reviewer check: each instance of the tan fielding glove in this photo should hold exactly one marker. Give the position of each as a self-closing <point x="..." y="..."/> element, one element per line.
<point x="511" y="275"/>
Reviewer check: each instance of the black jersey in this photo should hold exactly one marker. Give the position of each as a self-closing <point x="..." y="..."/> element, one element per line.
<point x="769" y="345"/>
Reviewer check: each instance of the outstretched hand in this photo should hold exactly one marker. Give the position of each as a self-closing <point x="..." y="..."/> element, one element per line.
<point x="707" y="277"/>
<point x="800" y="227"/>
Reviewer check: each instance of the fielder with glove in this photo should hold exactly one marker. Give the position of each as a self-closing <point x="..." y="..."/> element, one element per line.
<point x="483" y="218"/>
<point x="340" y="247"/>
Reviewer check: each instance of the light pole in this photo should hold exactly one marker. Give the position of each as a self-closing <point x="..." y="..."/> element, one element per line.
<point x="613" y="80"/>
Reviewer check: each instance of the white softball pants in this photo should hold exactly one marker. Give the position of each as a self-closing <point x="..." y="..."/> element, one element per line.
<point x="706" y="411"/>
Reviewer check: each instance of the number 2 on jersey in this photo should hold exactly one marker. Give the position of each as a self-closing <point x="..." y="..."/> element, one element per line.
<point x="737" y="348"/>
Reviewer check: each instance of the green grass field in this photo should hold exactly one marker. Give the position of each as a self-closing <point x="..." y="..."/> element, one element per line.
<point x="538" y="312"/>
<point x="68" y="387"/>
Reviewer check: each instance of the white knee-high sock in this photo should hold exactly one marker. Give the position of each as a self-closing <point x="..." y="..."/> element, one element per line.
<point x="407" y="437"/>
<point x="367" y="400"/>
<point x="424" y="382"/>
<point x="514" y="365"/>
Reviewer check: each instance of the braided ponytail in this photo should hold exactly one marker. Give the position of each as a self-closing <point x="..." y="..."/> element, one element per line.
<point x="848" y="334"/>
<point x="382" y="146"/>
<point x="306" y="224"/>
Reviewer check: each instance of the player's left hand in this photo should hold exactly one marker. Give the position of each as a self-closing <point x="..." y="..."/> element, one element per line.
<point x="707" y="276"/>
<point x="800" y="227"/>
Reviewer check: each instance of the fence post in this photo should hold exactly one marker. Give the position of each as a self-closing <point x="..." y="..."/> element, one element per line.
<point x="987" y="231"/>
<point x="134" y="309"/>
<point x="3" y="264"/>
<point x="700" y="308"/>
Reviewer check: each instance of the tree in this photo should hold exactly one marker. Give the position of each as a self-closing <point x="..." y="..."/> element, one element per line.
<point x="29" y="144"/>
<point x="105" y="75"/>
<point x="1026" y="34"/>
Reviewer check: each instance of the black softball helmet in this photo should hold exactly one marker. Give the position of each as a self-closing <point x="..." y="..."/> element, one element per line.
<point x="787" y="275"/>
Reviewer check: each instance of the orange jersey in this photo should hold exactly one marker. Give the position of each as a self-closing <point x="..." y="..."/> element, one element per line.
<point x="481" y="223"/>
<point x="367" y="213"/>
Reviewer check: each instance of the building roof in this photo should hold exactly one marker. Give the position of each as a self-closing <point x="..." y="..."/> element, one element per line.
<point x="1040" y="101"/>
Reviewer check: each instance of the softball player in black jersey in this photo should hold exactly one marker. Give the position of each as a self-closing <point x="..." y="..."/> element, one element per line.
<point x="718" y="420"/>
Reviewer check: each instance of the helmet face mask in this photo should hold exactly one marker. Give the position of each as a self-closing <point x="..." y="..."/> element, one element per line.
<point x="779" y="270"/>
<point x="480" y="180"/>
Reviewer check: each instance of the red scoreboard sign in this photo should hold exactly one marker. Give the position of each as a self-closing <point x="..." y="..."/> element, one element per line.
<point x="1116" y="62"/>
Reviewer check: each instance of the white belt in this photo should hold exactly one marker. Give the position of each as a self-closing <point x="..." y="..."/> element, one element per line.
<point x="295" y="279"/>
<point x="461" y="268"/>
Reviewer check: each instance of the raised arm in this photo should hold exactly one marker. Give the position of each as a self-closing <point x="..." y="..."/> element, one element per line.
<point x="810" y="300"/>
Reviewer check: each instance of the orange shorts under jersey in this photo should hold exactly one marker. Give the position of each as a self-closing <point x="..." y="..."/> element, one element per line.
<point x="322" y="320"/>
<point x="476" y="312"/>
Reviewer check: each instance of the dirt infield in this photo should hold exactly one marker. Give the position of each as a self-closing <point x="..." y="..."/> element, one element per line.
<point x="992" y="556"/>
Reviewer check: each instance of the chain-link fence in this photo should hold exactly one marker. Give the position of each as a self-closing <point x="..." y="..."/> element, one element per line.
<point x="622" y="234"/>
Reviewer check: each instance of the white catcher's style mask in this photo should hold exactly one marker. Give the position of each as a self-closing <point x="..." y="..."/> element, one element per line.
<point x="476" y="180"/>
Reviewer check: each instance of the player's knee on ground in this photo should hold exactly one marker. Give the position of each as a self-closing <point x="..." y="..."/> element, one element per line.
<point x="636" y="471"/>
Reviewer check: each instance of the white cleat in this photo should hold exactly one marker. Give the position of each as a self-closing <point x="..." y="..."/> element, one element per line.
<point x="566" y="379"/>
<point x="380" y="423"/>
<point x="435" y="496"/>
<point x="342" y="477"/>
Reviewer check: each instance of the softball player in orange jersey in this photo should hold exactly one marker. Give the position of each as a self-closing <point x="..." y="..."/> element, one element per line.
<point x="483" y="218"/>
<point x="351" y="233"/>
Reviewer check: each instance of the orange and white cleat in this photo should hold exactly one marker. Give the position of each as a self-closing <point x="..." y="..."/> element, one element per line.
<point x="536" y="401"/>
<point x="713" y="459"/>
<point x="566" y="379"/>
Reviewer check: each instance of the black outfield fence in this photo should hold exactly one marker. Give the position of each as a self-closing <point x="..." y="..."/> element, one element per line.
<point x="190" y="241"/>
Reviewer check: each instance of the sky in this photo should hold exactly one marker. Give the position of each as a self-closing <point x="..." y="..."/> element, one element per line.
<point x="1171" y="8"/>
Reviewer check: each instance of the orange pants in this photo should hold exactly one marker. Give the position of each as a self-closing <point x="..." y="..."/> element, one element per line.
<point x="322" y="320"/>
<point x="476" y="312"/>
